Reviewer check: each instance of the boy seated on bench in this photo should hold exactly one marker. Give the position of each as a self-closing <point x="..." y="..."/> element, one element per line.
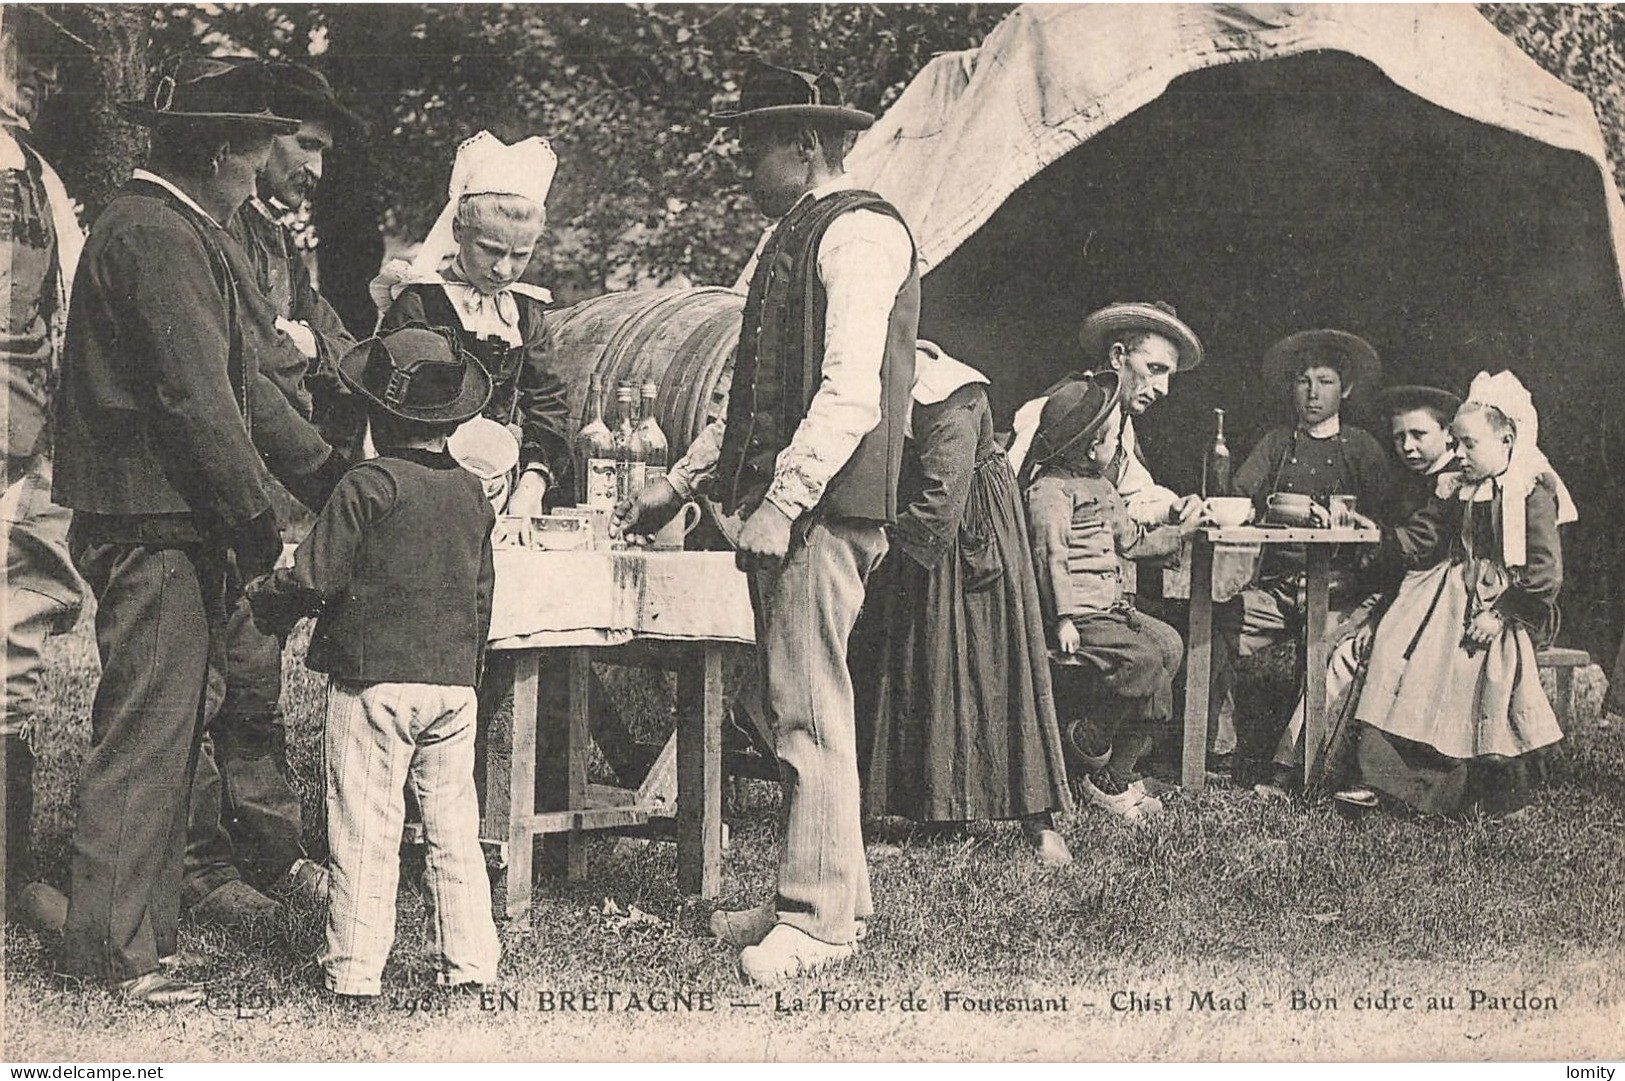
<point x="1079" y="528"/>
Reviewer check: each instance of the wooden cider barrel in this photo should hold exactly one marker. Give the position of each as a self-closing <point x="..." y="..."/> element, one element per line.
<point x="682" y="340"/>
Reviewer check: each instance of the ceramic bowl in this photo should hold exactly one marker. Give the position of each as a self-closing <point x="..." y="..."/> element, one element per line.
<point x="1291" y="508"/>
<point x="1228" y="511"/>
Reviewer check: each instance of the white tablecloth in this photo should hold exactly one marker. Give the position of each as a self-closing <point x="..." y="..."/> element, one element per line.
<point x="557" y="599"/>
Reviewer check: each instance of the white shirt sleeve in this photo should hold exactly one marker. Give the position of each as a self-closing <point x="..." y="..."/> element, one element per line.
<point x="1022" y="430"/>
<point x="1148" y="502"/>
<point x="699" y="461"/>
<point x="863" y="261"/>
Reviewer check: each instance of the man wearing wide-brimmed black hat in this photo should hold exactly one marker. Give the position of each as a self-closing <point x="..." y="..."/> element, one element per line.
<point x="809" y="456"/>
<point x="165" y="428"/>
<point x="246" y="822"/>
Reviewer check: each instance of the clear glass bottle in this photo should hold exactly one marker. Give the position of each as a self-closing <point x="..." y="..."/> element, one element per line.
<point x="651" y="440"/>
<point x="596" y="481"/>
<point x="628" y="455"/>
<point x="1216" y="467"/>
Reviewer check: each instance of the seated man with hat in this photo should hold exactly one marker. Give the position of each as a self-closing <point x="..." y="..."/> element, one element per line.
<point x="1317" y="456"/>
<point x="399" y="567"/>
<point x="1146" y="345"/>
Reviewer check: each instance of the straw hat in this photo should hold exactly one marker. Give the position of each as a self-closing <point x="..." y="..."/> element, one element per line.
<point x="1356" y="360"/>
<point x="1115" y="320"/>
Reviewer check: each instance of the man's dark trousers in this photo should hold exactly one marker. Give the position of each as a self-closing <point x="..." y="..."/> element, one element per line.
<point x="160" y="623"/>
<point x="246" y="819"/>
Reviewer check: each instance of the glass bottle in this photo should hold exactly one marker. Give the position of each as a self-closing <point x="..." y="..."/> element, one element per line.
<point x="595" y="454"/>
<point x="1216" y="467"/>
<point x="651" y="440"/>
<point x="628" y="456"/>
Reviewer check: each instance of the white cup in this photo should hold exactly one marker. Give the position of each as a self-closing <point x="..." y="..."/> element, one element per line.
<point x="670" y="536"/>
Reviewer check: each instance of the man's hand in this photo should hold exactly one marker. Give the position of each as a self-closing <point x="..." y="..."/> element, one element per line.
<point x="1485" y="627"/>
<point x="1185" y="509"/>
<point x="643" y="514"/>
<point x="528" y="494"/>
<point x="257" y="544"/>
<point x="765" y="539"/>
<point x="301" y="334"/>
<point x="1067" y="637"/>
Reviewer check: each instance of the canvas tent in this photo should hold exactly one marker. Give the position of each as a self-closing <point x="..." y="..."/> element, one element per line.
<point x="1404" y="172"/>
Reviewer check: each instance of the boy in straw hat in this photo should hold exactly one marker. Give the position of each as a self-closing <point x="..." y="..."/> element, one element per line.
<point x="1080" y="526"/>
<point x="399" y="567"/>
<point x="1419" y="422"/>
<point x="1318" y="455"/>
<point x="466" y="278"/>
<point x="165" y="427"/>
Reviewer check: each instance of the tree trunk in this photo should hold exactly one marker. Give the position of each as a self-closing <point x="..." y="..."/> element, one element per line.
<point x="348" y="206"/>
<point x="96" y="147"/>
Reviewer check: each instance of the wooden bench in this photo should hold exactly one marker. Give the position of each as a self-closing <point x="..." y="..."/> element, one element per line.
<point x="1562" y="663"/>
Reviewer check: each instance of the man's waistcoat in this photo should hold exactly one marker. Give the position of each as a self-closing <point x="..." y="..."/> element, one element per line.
<point x="779" y="366"/>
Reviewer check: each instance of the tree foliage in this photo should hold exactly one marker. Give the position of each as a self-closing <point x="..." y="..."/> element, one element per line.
<point x="1582" y="44"/>
<point x="644" y="191"/>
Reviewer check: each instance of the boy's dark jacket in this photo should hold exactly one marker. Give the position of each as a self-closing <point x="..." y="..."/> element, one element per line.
<point x="399" y="566"/>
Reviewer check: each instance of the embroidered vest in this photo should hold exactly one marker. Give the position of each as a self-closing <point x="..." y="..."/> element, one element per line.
<point x="778" y="369"/>
<point x="503" y="362"/>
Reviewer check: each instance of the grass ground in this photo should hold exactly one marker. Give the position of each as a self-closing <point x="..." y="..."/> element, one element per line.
<point x="1253" y="902"/>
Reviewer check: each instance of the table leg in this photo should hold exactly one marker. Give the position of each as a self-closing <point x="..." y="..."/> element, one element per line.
<point x="522" y="782"/>
<point x="1198" y="667"/>
<point x="1317" y="588"/>
<point x="577" y="748"/>
<point x="699" y="772"/>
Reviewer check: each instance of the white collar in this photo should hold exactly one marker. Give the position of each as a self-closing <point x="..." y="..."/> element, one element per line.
<point x="824" y="190"/>
<point x="154" y="178"/>
<point x="1327" y="428"/>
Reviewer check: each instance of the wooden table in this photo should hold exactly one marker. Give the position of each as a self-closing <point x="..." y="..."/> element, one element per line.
<point x="1234" y="546"/>
<point x="557" y="612"/>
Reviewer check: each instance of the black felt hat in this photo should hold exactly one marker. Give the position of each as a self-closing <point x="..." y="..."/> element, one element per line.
<point x="228" y="88"/>
<point x="774" y="93"/>
<point x="1072" y="416"/>
<point x="1391" y="401"/>
<point x="418" y="372"/>
<point x="305" y="94"/>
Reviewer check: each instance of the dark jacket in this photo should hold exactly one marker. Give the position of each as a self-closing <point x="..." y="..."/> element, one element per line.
<point x="283" y="277"/>
<point x="939" y="463"/>
<point x="399" y="567"/>
<point x="525" y="388"/>
<point x="778" y="367"/>
<point x="163" y="407"/>
<point x="1452" y="529"/>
